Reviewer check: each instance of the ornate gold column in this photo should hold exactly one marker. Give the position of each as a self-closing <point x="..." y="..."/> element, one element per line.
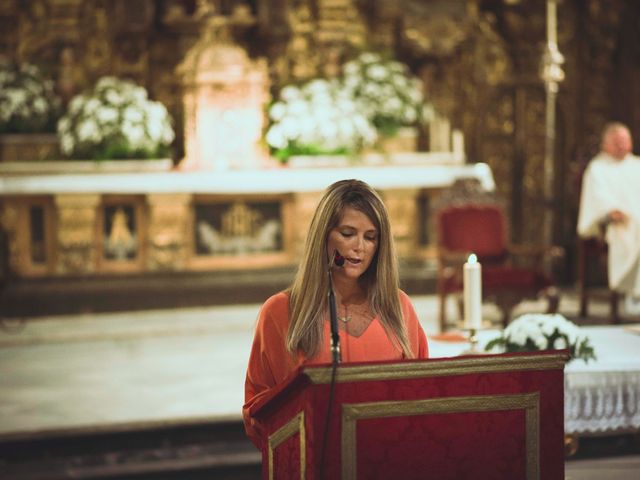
<point x="169" y="230"/>
<point x="304" y="206"/>
<point x="552" y="74"/>
<point x="76" y="231"/>
<point x="17" y="249"/>
<point x="403" y="212"/>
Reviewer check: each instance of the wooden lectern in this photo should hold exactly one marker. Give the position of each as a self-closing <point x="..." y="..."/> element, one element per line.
<point x="471" y="417"/>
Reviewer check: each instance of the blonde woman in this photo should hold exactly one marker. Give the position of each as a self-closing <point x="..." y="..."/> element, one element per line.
<point x="376" y="319"/>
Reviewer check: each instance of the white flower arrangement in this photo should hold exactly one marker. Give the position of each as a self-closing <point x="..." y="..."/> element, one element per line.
<point x="318" y="117"/>
<point x="115" y="120"/>
<point x="386" y="92"/>
<point x="532" y="332"/>
<point x="28" y="101"/>
<point x="373" y="98"/>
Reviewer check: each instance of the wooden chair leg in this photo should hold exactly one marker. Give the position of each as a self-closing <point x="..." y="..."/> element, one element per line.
<point x="582" y="286"/>
<point x="614" y="301"/>
<point x="582" y="279"/>
<point x="506" y="315"/>
<point x="553" y="299"/>
<point x="583" y="302"/>
<point x="506" y="302"/>
<point x="460" y="308"/>
<point x="443" y="311"/>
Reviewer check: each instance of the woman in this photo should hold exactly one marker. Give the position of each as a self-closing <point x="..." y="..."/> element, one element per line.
<point x="376" y="319"/>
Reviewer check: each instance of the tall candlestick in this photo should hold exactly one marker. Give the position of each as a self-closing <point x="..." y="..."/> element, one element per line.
<point x="551" y="22"/>
<point x="472" y="277"/>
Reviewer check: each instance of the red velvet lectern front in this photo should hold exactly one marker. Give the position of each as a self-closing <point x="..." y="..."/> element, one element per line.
<point x="472" y="417"/>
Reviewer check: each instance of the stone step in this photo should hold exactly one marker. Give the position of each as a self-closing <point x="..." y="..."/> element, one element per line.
<point x="217" y="449"/>
<point x="61" y="296"/>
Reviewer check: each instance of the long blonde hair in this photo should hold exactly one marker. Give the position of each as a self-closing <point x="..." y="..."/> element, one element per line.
<point x="310" y="288"/>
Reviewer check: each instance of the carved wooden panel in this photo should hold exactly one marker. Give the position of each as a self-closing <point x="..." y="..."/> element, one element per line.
<point x="29" y="223"/>
<point x="121" y="233"/>
<point x="240" y="232"/>
<point x="168" y="234"/>
<point x="76" y="233"/>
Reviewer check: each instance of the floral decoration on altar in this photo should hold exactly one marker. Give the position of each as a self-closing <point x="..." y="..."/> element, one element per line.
<point x="386" y="92"/>
<point x="115" y="120"/>
<point x="319" y="117"/>
<point x="373" y="98"/>
<point x="28" y="101"/>
<point x="531" y="332"/>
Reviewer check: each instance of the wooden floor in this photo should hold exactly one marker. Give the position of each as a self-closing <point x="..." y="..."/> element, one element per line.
<point x="610" y="458"/>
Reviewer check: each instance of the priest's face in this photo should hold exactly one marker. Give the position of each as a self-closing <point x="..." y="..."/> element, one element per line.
<point x="618" y="143"/>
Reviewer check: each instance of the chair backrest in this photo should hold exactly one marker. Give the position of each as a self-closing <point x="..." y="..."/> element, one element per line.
<point x="480" y="229"/>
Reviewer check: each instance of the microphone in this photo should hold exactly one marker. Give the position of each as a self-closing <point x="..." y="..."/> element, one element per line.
<point x="333" y="315"/>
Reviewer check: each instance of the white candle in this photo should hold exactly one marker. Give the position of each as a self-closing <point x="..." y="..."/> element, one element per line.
<point x="472" y="277"/>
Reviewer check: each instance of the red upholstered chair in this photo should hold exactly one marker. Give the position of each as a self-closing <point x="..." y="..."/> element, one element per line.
<point x="482" y="229"/>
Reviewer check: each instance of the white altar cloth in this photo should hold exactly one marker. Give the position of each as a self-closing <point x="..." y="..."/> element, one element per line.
<point x="604" y="396"/>
<point x="601" y="396"/>
<point x="266" y="181"/>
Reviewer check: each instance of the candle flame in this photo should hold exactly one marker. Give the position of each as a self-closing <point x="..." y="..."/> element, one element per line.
<point x="472" y="258"/>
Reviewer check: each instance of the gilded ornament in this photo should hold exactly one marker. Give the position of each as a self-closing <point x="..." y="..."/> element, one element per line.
<point x="120" y="242"/>
<point x="240" y="220"/>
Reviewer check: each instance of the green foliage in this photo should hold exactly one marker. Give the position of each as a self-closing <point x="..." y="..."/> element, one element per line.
<point x="293" y="148"/>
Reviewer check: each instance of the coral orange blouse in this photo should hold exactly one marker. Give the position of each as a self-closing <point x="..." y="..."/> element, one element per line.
<point x="270" y="363"/>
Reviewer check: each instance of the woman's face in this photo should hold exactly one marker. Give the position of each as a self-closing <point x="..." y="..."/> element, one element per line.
<point x="356" y="239"/>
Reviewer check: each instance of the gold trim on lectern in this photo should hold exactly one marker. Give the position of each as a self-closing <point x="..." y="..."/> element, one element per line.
<point x="288" y="430"/>
<point x="453" y="366"/>
<point x="530" y="402"/>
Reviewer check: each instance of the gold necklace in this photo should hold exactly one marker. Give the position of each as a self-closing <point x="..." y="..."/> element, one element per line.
<point x="347" y="317"/>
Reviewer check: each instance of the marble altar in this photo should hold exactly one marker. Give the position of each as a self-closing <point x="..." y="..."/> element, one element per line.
<point x="180" y="220"/>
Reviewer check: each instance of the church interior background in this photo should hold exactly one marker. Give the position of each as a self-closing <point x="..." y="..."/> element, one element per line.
<point x="480" y="64"/>
<point x="219" y="202"/>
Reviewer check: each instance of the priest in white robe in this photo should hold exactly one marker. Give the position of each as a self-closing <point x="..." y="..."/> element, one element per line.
<point x="610" y="203"/>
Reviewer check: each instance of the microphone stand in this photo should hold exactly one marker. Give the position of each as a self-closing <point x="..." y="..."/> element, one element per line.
<point x="335" y="360"/>
<point x="335" y="335"/>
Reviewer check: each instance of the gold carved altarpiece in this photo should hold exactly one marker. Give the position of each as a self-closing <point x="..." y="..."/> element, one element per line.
<point x="480" y="62"/>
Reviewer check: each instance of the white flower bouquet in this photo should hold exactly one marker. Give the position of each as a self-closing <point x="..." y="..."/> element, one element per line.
<point x="532" y="332"/>
<point x="115" y="120"/>
<point x="28" y="101"/>
<point x="385" y="92"/>
<point x="317" y="118"/>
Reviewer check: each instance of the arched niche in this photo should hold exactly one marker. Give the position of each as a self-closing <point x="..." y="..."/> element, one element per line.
<point x="225" y="95"/>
